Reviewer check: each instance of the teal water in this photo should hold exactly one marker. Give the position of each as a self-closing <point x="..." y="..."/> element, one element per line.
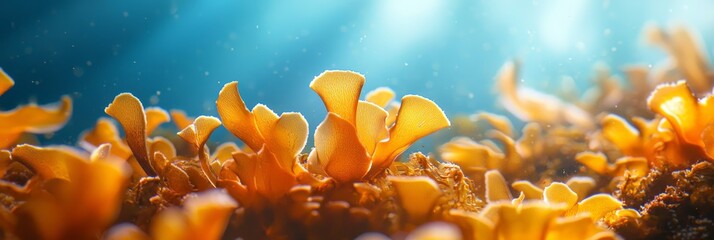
<point x="180" y="53"/>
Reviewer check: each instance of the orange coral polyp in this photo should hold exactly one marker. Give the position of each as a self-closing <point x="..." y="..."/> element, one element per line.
<point x="105" y="132"/>
<point x="30" y="118"/>
<point x="340" y="151"/>
<point x="362" y="125"/>
<point x="270" y="169"/>
<point x="530" y="105"/>
<point x="284" y="135"/>
<point x="691" y="118"/>
<point x="33" y="118"/>
<point x="236" y="117"/>
<point x="82" y="192"/>
<point x="129" y="112"/>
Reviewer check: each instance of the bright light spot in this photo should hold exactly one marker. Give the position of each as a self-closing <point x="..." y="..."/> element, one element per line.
<point x="402" y="23"/>
<point x="561" y="22"/>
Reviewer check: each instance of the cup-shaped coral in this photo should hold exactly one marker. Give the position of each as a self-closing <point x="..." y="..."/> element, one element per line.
<point x="275" y="141"/>
<point x="77" y="196"/>
<point x="354" y="142"/>
<point x="529" y="220"/>
<point x="691" y="118"/>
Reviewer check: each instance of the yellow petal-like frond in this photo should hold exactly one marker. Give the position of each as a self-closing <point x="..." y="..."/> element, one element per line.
<point x="392" y="111"/>
<point x="162" y="145"/>
<point x="598" y="205"/>
<point x="271" y="179"/>
<point x="686" y="53"/>
<point x="594" y="161"/>
<point x="529" y="190"/>
<point x="106" y="132"/>
<point x="198" y="132"/>
<point x="559" y="193"/>
<point x="126" y="231"/>
<point x="170" y="224"/>
<point x="469" y="154"/>
<point x="177" y="179"/>
<point x="380" y="96"/>
<point x="229" y="181"/>
<point x="517" y="201"/>
<point x="236" y="117"/>
<point x="417" y="118"/>
<point x="86" y="195"/>
<point x="159" y="162"/>
<point x="499" y="122"/>
<point x="245" y="168"/>
<point x="314" y="165"/>
<point x="496" y="188"/>
<point x="625" y="137"/>
<point x="155" y="116"/>
<point x="677" y="103"/>
<point x="531" y="143"/>
<point x="339" y="150"/>
<point x="479" y="227"/>
<point x="99" y="187"/>
<point x="265" y="119"/>
<point x="33" y="118"/>
<point x="5" y="82"/>
<point x="224" y="152"/>
<point x="530" y="105"/>
<point x="180" y="119"/>
<point x="49" y="162"/>
<point x="630" y="213"/>
<point x="340" y="91"/>
<point x="288" y="137"/>
<point x="530" y="220"/>
<point x="581" y="186"/>
<point x="512" y="159"/>
<point x="417" y="195"/>
<point x="370" y="125"/>
<point x="636" y="166"/>
<point x="208" y="213"/>
<point x="436" y="231"/>
<point x="129" y="112"/>
<point x="507" y="83"/>
<point x="576" y="227"/>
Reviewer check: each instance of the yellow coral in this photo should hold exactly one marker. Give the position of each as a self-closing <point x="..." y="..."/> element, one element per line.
<point x="654" y="140"/>
<point x="555" y="214"/>
<point x="418" y="195"/>
<point x="529" y="220"/>
<point x="271" y="168"/>
<point x="636" y="166"/>
<point x="691" y="118"/>
<point x="530" y="105"/>
<point x="688" y="59"/>
<point x="79" y="196"/>
<point x="30" y="118"/>
<point x="480" y="156"/>
<point x="597" y="206"/>
<point x="361" y="125"/>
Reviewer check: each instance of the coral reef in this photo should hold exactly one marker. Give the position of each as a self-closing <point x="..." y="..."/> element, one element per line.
<point x="602" y="166"/>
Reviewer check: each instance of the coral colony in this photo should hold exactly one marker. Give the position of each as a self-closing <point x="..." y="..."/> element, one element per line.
<point x="603" y="166"/>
